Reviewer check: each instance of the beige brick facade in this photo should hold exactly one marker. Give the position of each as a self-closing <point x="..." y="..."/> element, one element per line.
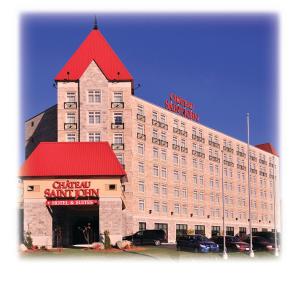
<point x="191" y="193"/>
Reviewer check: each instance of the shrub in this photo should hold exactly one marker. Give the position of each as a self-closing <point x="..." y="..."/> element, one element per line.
<point x="107" y="244"/>
<point x="28" y="240"/>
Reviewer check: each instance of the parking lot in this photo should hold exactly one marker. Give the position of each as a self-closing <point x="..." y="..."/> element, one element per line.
<point x="163" y="252"/>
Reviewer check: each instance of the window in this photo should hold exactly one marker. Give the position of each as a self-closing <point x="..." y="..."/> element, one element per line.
<point x="182" y="125"/>
<point x="175" y="159"/>
<point x="164" y="190"/>
<point x="155" y="170"/>
<point x="163" y="136"/>
<point x="141" y="167"/>
<point x="183" y="160"/>
<point x="211" y="168"/>
<point x="112" y="187"/>
<point x="155" y="115"/>
<point x="201" y="180"/>
<point x="195" y="163"/>
<point x="176" y="123"/>
<point x="176" y="192"/>
<point x="156" y="188"/>
<point x="201" y="165"/>
<point x="118" y="96"/>
<point x="181" y="229"/>
<point x="176" y="175"/>
<point x="71" y="97"/>
<point x="140" y="109"/>
<point x="176" y="209"/>
<point x="163" y="154"/>
<point x="141" y="148"/>
<point x="71" y="137"/>
<point x="184" y="209"/>
<point x="194" y="132"/>
<point x="183" y="176"/>
<point x="94" y="96"/>
<point x="94" y="137"/>
<point x="175" y="141"/>
<point x="164" y="172"/>
<point x="120" y="158"/>
<point x="163" y="118"/>
<point x="155" y="133"/>
<point x="118" y="138"/>
<point x="164" y="207"/>
<point x="195" y="179"/>
<point x="201" y="196"/>
<point x="141" y="204"/>
<point x="184" y="193"/>
<point x="229" y="230"/>
<point x="215" y="230"/>
<point x="94" y="117"/>
<point x="200" y="229"/>
<point x="141" y="186"/>
<point x="142" y="226"/>
<point x="70" y="118"/>
<point x="195" y="195"/>
<point x="155" y="153"/>
<point x="156" y="206"/>
<point x="211" y="182"/>
<point x="118" y="118"/>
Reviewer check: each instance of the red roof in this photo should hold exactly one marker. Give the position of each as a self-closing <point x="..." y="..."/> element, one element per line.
<point x="94" y="47"/>
<point x="72" y="159"/>
<point x="268" y="148"/>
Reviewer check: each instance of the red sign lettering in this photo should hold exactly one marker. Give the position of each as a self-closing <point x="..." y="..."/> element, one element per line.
<point x="181" y="106"/>
<point x="71" y="189"/>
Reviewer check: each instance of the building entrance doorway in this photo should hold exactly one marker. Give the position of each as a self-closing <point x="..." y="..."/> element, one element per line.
<point x="75" y="225"/>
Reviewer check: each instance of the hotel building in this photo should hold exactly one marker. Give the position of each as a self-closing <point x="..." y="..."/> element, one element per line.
<point x="173" y="163"/>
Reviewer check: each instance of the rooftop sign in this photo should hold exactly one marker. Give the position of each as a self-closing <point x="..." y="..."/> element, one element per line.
<point x="181" y="106"/>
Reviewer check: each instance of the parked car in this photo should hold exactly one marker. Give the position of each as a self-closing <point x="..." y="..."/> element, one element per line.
<point x="268" y="235"/>
<point x="260" y="243"/>
<point x="147" y="237"/>
<point x="197" y="243"/>
<point x="233" y="243"/>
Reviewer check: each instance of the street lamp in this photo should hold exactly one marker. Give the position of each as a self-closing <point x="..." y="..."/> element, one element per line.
<point x="251" y="253"/>
<point x="225" y="256"/>
<point x="274" y="196"/>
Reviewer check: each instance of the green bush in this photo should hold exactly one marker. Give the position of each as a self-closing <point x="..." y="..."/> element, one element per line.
<point x="107" y="244"/>
<point x="28" y="240"/>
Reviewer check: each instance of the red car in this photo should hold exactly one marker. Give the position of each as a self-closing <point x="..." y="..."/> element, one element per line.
<point x="233" y="243"/>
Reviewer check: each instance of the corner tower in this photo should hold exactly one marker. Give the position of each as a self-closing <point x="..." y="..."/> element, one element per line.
<point x="92" y="83"/>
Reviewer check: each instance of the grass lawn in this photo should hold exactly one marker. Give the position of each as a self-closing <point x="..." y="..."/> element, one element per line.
<point x="148" y="253"/>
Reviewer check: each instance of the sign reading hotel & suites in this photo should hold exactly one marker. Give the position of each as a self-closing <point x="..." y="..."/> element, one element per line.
<point x="71" y="193"/>
<point x="181" y="106"/>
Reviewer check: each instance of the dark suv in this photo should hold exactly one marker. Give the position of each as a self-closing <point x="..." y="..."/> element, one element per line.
<point x="197" y="243"/>
<point x="147" y="237"/>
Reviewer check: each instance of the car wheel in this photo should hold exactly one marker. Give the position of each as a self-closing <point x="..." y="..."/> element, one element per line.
<point x="156" y="243"/>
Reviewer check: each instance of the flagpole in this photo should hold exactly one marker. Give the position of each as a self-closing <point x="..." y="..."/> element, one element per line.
<point x="225" y="256"/>
<point x="251" y="253"/>
<point x="274" y="197"/>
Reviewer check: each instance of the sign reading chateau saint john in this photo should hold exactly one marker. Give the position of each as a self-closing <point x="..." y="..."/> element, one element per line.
<point x="181" y="106"/>
<point x="71" y="193"/>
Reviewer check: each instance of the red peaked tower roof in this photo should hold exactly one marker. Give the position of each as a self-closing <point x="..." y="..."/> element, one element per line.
<point x="268" y="148"/>
<point x="51" y="159"/>
<point x="94" y="47"/>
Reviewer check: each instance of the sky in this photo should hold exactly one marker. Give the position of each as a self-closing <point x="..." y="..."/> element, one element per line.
<point x="226" y="64"/>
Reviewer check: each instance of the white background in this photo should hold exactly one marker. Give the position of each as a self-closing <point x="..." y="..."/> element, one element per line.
<point x="78" y="279"/>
